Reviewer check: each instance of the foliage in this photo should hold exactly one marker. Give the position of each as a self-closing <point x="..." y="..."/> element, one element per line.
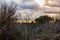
<point x="43" y="19"/>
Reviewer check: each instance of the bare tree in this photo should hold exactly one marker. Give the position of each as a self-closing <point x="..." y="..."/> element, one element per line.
<point x="6" y="21"/>
<point x="6" y="13"/>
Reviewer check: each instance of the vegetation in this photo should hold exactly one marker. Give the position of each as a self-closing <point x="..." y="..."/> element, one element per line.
<point x="44" y="19"/>
<point x="46" y="31"/>
<point x="7" y="21"/>
<point x="9" y="30"/>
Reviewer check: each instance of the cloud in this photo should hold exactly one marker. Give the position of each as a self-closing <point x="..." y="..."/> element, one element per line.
<point x="24" y="4"/>
<point x="29" y="4"/>
<point x="30" y="7"/>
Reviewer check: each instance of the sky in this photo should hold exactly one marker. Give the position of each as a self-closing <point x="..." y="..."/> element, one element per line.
<point x="26" y="4"/>
<point x="31" y="4"/>
<point x="39" y="2"/>
<point x="35" y="7"/>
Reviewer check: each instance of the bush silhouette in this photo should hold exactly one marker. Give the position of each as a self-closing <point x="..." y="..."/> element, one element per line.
<point x="43" y="19"/>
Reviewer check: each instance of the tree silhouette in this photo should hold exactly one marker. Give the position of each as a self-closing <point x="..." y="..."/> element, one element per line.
<point x="6" y="21"/>
<point x="43" y="19"/>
